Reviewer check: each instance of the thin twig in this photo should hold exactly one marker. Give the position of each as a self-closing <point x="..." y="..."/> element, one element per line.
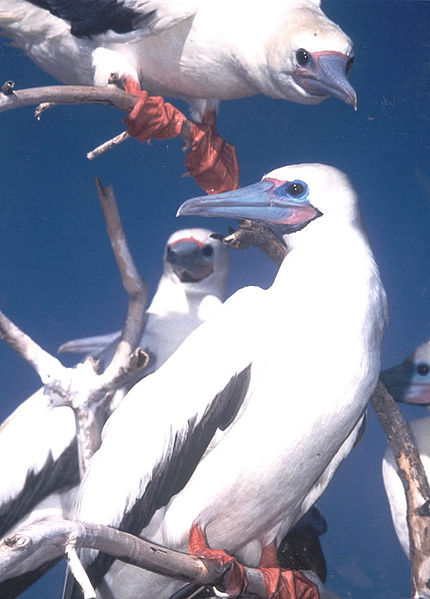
<point x="47" y="366"/>
<point x="79" y="573"/>
<point x="133" y="284"/>
<point x="41" y="109"/>
<point x="108" y="145"/>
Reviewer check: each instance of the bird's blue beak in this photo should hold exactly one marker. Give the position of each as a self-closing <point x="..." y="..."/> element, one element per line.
<point x="190" y="259"/>
<point x="326" y="75"/>
<point x="271" y="201"/>
<point x="407" y="384"/>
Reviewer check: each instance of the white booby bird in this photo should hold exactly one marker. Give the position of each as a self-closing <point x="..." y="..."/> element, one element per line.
<point x="245" y="424"/>
<point x="409" y="382"/>
<point x="191" y="289"/>
<point x="39" y="470"/>
<point x="202" y="51"/>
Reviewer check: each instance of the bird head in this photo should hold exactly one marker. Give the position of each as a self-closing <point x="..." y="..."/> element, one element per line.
<point x="286" y="199"/>
<point x="193" y="256"/>
<point x="409" y="382"/>
<point x="309" y="58"/>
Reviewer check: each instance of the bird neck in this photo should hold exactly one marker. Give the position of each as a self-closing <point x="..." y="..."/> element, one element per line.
<point x="172" y="296"/>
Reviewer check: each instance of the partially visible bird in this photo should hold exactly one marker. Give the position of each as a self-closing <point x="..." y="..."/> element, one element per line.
<point x="191" y="289"/>
<point x="409" y="382"/>
<point x="201" y="51"/>
<point x="236" y="438"/>
<point x="39" y="468"/>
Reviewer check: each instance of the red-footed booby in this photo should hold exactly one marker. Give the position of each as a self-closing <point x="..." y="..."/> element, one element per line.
<point x="39" y="476"/>
<point x="202" y="51"/>
<point x="191" y="289"/>
<point x="245" y="424"/>
<point x="409" y="382"/>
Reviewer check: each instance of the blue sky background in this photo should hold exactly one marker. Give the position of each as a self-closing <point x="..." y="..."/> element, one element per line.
<point x="58" y="279"/>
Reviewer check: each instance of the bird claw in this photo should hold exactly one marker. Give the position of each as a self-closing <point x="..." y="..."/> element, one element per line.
<point x="233" y="577"/>
<point x="210" y="160"/>
<point x="288" y="584"/>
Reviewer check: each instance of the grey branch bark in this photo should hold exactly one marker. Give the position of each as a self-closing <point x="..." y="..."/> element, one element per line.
<point x="416" y="486"/>
<point x="67" y="94"/>
<point x="82" y="388"/>
<point x="46" y="97"/>
<point x="46" y="366"/>
<point x="123" y="546"/>
<point x="252" y="233"/>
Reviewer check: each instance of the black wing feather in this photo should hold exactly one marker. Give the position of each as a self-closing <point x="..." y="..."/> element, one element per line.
<point x="167" y="481"/>
<point x="88" y="18"/>
<point x="56" y="475"/>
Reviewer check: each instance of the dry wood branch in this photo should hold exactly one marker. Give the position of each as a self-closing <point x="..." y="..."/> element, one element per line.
<point x="82" y="388"/>
<point x="79" y="573"/>
<point x="121" y="545"/>
<point x="47" y="367"/>
<point x="416" y="486"/>
<point x="133" y="284"/>
<point x="46" y="97"/>
<point x="108" y="145"/>
<point x="68" y="94"/>
<point x="252" y="233"/>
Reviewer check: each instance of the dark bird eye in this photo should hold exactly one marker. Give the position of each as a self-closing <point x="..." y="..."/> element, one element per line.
<point x="302" y="57"/>
<point x="423" y="369"/>
<point x="349" y="65"/>
<point x="207" y="251"/>
<point x="295" y="189"/>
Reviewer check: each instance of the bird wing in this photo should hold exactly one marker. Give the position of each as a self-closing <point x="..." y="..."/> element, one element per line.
<point x="39" y="457"/>
<point x="88" y="19"/>
<point x="89" y="345"/>
<point x="168" y="422"/>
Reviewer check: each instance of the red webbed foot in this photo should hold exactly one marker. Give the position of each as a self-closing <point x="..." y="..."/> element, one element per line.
<point x="210" y="159"/>
<point x="284" y="584"/>
<point x="234" y="581"/>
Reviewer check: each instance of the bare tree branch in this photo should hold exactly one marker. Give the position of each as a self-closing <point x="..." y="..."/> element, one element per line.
<point x="46" y="97"/>
<point x="108" y="145"/>
<point x="252" y="233"/>
<point x="78" y="571"/>
<point x="416" y="486"/>
<point x="46" y="366"/>
<point x="123" y="546"/>
<point x="133" y="284"/>
<point x="66" y="94"/>
<point x="82" y="388"/>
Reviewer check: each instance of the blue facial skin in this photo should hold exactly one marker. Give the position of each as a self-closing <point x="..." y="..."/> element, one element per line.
<point x="409" y="382"/>
<point x="282" y="206"/>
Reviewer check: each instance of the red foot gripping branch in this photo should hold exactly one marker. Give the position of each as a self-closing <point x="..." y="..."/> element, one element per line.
<point x="279" y="584"/>
<point x="210" y="160"/>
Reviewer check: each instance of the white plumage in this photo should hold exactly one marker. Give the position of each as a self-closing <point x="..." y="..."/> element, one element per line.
<point x="409" y="382"/>
<point x="39" y="468"/>
<point x="202" y="51"/>
<point x="191" y="288"/>
<point x="241" y="430"/>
